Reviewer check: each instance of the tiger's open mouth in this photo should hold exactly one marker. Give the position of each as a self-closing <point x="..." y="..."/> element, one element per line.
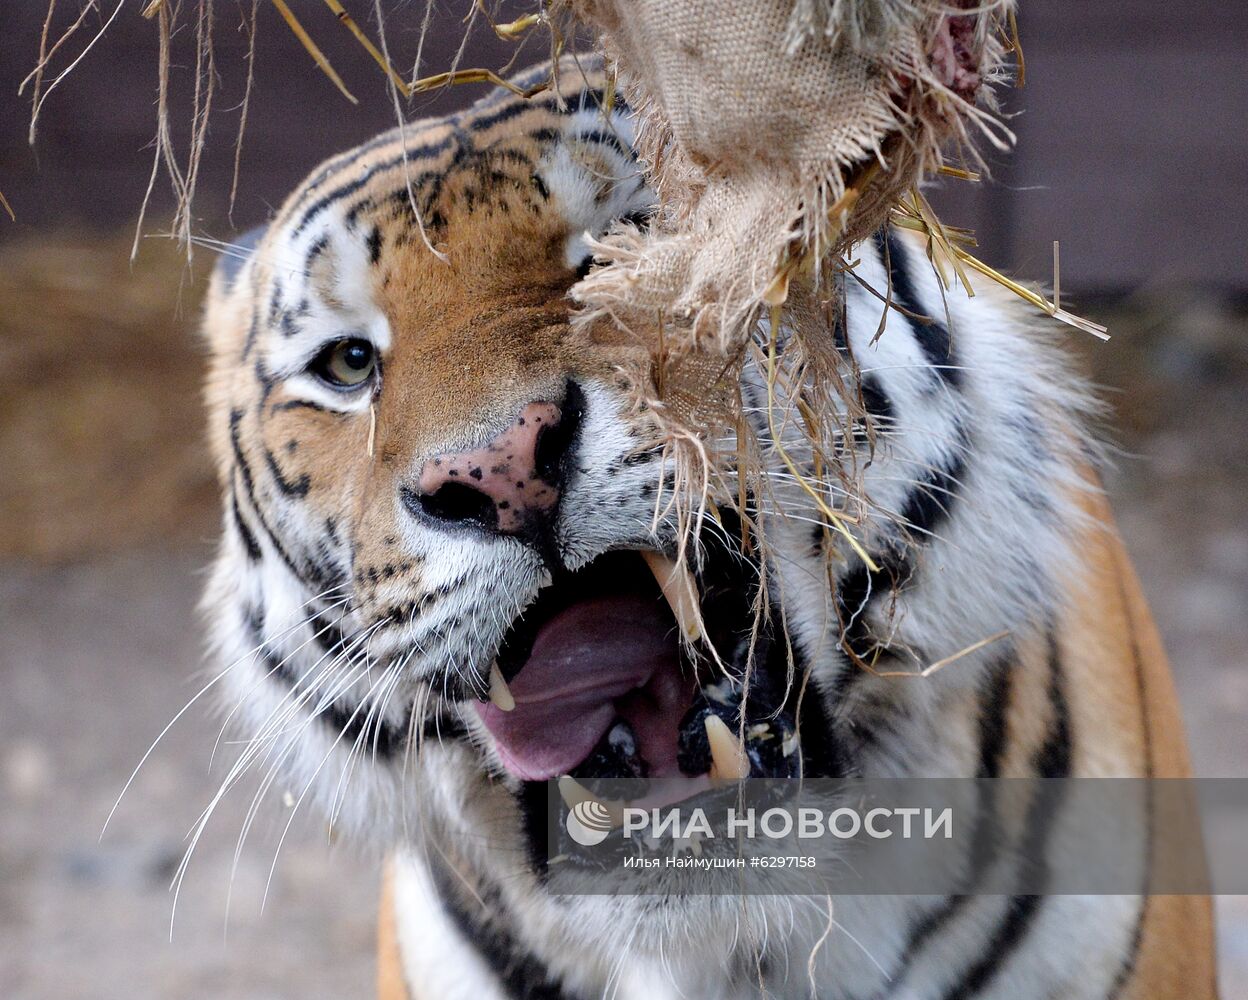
<point x="593" y="681"/>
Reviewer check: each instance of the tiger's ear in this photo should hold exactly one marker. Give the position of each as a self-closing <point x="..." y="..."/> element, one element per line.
<point x="234" y="258"/>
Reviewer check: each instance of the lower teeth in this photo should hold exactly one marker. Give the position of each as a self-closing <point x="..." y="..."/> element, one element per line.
<point x="770" y="746"/>
<point x="770" y="749"/>
<point x="728" y="759"/>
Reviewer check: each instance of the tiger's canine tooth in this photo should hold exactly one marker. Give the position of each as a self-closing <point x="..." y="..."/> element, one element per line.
<point x="500" y="694"/>
<point x="574" y="793"/>
<point x="679" y="590"/>
<point x="728" y="760"/>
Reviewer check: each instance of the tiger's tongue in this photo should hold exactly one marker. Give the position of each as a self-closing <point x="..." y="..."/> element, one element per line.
<point x="598" y="660"/>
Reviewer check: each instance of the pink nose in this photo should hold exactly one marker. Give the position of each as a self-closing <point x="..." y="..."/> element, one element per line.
<point x="506" y="486"/>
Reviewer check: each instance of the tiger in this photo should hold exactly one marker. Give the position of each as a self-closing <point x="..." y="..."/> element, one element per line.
<point x="435" y="579"/>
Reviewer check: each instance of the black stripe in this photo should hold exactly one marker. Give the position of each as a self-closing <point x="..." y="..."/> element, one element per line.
<point x="253" y="330"/>
<point x="824" y="754"/>
<point x="930" y="502"/>
<point x="874" y="399"/>
<point x="583" y="100"/>
<point x="365" y="204"/>
<point x="414" y="153"/>
<point x="249" y="488"/>
<point x="994" y="703"/>
<point x="267" y="383"/>
<point x="318" y="247"/>
<point x="441" y="727"/>
<point x="930" y="333"/>
<point x="855" y="593"/>
<point x="604" y="138"/>
<point x="382" y="736"/>
<point x="463" y="150"/>
<point x="332" y="640"/>
<point x="926" y="508"/>
<point x="594" y="98"/>
<point x="480" y="922"/>
<point x="253" y="619"/>
<point x="861" y="585"/>
<point x="514" y="156"/>
<point x="429" y="186"/>
<point x="291" y="488"/>
<point x="515" y="106"/>
<point x="1127" y="968"/>
<point x="248" y="536"/>
<point x="292" y="404"/>
<point x="542" y="136"/>
<point x="505" y="114"/>
<point x="343" y="191"/>
<point x="1052" y="760"/>
<point x="1020" y="911"/>
<point x="537" y="815"/>
<point x="344" y="160"/>
<point x="1132" y="957"/>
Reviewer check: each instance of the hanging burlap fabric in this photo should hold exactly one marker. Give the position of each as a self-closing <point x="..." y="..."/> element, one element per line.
<point x="776" y="133"/>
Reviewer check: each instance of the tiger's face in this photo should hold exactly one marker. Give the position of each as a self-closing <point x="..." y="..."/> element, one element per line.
<point x="417" y="431"/>
<point x="442" y="566"/>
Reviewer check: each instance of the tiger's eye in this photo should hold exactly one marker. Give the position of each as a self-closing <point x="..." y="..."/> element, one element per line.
<point x="347" y="363"/>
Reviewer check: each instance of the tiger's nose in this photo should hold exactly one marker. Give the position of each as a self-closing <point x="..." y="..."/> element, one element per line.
<point x="511" y="485"/>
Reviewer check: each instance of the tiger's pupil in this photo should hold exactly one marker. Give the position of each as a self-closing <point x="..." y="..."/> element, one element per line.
<point x="356" y="356"/>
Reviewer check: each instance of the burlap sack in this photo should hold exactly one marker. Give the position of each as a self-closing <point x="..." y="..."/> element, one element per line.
<point x="754" y="116"/>
<point x="776" y="133"/>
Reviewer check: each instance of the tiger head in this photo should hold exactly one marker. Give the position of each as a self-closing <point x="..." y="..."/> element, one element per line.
<point x="446" y="573"/>
<point x="442" y="566"/>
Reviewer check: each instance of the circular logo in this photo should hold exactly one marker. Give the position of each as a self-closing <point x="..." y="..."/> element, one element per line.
<point x="589" y="823"/>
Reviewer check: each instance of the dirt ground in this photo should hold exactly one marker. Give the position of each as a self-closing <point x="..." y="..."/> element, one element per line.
<point x="108" y="519"/>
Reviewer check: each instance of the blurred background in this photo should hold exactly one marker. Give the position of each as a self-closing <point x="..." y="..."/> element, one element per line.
<point x="1132" y="151"/>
